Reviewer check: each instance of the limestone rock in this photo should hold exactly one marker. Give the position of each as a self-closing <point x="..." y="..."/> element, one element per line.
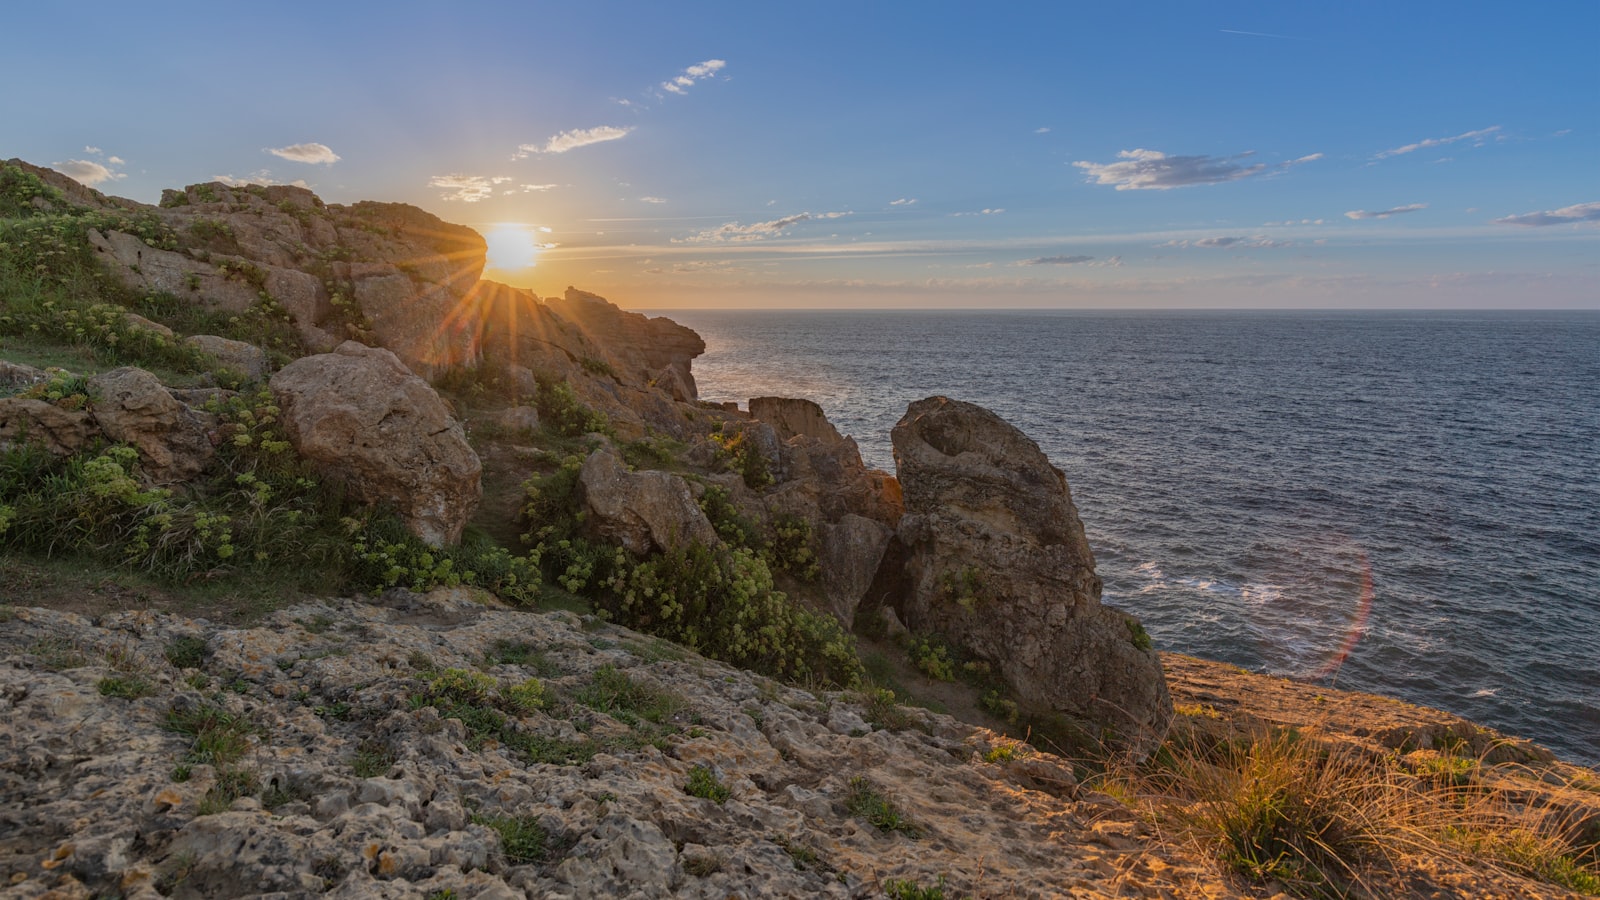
<point x="60" y="431"/>
<point x="848" y="554"/>
<point x="363" y="417"/>
<point x="998" y="564"/>
<point x="640" y="346"/>
<point x="790" y="417"/>
<point x="133" y="407"/>
<point x="17" y="376"/>
<point x="642" y="511"/>
<point x="245" y="358"/>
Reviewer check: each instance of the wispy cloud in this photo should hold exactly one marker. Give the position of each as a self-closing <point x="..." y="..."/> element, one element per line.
<point x="698" y="72"/>
<point x="652" y="199"/>
<point x="572" y="140"/>
<point x="1056" y="260"/>
<point x="86" y="171"/>
<point x="1384" y="213"/>
<point x="1479" y="138"/>
<point x="1041" y="131"/>
<point x="311" y="154"/>
<point x="903" y="201"/>
<point x="1566" y="215"/>
<point x="759" y="231"/>
<point x="262" y="177"/>
<point x="1288" y="222"/>
<point x="467" y="188"/>
<point x="532" y="188"/>
<point x="1238" y="242"/>
<point x="1154" y="170"/>
<point x="987" y="211"/>
<point x="1281" y="37"/>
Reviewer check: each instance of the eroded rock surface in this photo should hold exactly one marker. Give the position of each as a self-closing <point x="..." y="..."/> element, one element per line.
<point x="359" y="790"/>
<point x="362" y="417"/>
<point x="642" y="511"/>
<point x="998" y="564"/>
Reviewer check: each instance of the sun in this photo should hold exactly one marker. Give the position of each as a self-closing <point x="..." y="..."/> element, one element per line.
<point x="512" y="247"/>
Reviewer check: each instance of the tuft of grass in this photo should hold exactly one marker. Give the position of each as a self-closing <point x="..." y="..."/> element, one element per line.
<point x="218" y="737"/>
<point x="705" y="784"/>
<point x="186" y="652"/>
<point x="522" y="838"/>
<point x="58" y="654"/>
<point x="129" y="687"/>
<point x="371" y="759"/>
<point x="906" y="889"/>
<point x="866" y="803"/>
<point x="626" y="699"/>
<point x="702" y="866"/>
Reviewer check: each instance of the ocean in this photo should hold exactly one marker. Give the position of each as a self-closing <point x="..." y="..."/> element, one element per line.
<point x="1406" y="503"/>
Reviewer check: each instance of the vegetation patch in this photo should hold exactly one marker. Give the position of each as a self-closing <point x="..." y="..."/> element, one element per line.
<point x="125" y="687"/>
<point x="866" y="803"/>
<point x="522" y="839"/>
<point x="705" y="784"/>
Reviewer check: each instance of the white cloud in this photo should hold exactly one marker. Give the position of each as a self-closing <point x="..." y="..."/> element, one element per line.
<point x="311" y="154"/>
<point x="530" y="188"/>
<point x="1478" y="138"/>
<point x="572" y="140"/>
<point x="86" y="171"/>
<point x="1384" y="213"/>
<point x="1154" y="170"/>
<point x="116" y="160"/>
<point x="467" y="188"/>
<point x="1566" y="215"/>
<point x="262" y="177"/>
<point x="698" y="72"/>
<point x="903" y="201"/>
<point x="759" y="231"/>
<point x="1056" y="260"/>
<point x="1041" y="131"/>
<point x="995" y="211"/>
<point x="652" y="199"/>
<point x="93" y="151"/>
<point x="1216" y="243"/>
<point x="1288" y="222"/>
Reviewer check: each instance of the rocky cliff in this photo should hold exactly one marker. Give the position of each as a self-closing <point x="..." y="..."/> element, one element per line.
<point x="274" y="398"/>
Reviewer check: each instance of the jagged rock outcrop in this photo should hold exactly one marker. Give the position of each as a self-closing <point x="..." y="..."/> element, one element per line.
<point x="386" y="273"/>
<point x="998" y="564"/>
<point x="59" y="431"/>
<point x="642" y="347"/>
<point x="790" y="417"/>
<point x="361" y="416"/>
<point x="642" y="511"/>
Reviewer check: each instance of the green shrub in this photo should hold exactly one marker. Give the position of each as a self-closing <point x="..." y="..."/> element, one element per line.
<point x="906" y="889"/>
<point x="741" y="455"/>
<point x="933" y="658"/>
<point x="186" y="652"/>
<point x="562" y="411"/>
<point x="721" y="602"/>
<point x="1137" y="634"/>
<point x="793" y="548"/>
<point x="626" y="699"/>
<point x="705" y="784"/>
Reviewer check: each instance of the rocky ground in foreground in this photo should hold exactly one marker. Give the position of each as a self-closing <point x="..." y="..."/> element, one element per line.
<point x="443" y="746"/>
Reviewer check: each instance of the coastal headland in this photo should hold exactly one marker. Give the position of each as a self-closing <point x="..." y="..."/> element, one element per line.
<point x="333" y="568"/>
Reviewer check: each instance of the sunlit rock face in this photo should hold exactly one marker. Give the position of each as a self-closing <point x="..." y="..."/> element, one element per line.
<point x="997" y="563"/>
<point x="363" y="418"/>
<point x="657" y="349"/>
<point x="386" y="274"/>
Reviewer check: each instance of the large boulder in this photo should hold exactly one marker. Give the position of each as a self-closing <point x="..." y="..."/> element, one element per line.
<point x="998" y="564"/>
<point x="642" y="511"/>
<point x="133" y="407"/>
<point x="362" y="417"/>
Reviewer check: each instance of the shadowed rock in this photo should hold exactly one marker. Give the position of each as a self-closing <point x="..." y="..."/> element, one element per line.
<point x="998" y="564"/>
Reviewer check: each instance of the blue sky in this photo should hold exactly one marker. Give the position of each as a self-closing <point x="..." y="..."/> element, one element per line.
<point x="1394" y="155"/>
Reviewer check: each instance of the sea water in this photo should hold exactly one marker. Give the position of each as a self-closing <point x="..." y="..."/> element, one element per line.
<point x="1402" y="503"/>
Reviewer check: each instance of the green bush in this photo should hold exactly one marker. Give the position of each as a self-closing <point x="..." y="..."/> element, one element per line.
<point x="741" y="455"/>
<point x="562" y="411"/>
<point x="721" y="602"/>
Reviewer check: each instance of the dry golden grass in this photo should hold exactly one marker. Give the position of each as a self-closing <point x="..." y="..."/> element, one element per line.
<point x="1327" y="818"/>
